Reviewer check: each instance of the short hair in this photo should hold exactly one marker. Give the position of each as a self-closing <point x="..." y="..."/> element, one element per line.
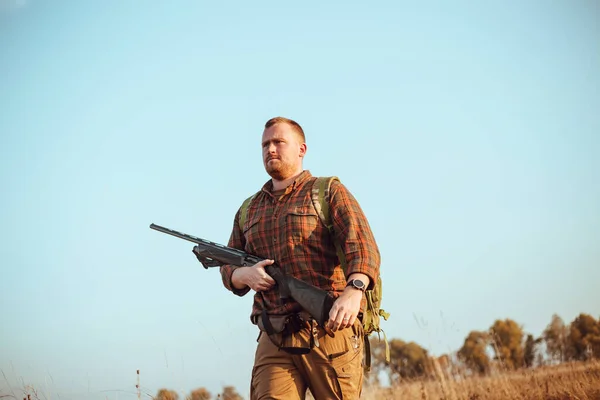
<point x="282" y="120"/>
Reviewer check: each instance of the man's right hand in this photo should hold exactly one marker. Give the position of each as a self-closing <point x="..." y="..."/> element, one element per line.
<point x="255" y="276"/>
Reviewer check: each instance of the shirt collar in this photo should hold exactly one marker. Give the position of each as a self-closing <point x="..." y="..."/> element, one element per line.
<point x="303" y="177"/>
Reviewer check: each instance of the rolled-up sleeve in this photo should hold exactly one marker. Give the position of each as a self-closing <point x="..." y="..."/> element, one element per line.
<point x="353" y="232"/>
<point x="236" y="240"/>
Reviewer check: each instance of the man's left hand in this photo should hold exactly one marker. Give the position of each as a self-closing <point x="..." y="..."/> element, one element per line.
<point x="345" y="309"/>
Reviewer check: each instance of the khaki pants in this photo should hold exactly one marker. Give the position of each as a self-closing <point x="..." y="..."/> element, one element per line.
<point x="331" y="371"/>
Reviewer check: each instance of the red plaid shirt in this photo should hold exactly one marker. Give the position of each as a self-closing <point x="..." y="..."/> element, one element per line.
<point x="288" y="230"/>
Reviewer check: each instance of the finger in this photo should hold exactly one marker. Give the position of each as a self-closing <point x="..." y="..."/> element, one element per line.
<point x="260" y="266"/>
<point x="264" y="277"/>
<point x="352" y="320"/>
<point x="344" y="322"/>
<point x="264" y="284"/>
<point x="348" y="321"/>
<point x="263" y="274"/>
<point x="261" y="288"/>
<point x="331" y="325"/>
<point x="333" y="313"/>
<point x="338" y="321"/>
<point x="270" y="284"/>
<point x="263" y="263"/>
<point x="269" y="279"/>
<point x="329" y="331"/>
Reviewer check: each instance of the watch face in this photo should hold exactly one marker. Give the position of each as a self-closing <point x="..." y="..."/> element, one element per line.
<point x="358" y="284"/>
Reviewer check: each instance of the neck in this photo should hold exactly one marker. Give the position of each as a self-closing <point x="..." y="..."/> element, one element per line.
<point x="282" y="184"/>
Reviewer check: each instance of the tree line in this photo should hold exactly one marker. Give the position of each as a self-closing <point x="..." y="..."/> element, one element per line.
<point x="504" y="346"/>
<point x="229" y="393"/>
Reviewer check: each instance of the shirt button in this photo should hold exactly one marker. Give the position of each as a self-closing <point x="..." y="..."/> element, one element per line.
<point x="274" y="240"/>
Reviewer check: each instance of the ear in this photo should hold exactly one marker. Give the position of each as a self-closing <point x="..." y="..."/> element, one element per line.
<point x="303" y="149"/>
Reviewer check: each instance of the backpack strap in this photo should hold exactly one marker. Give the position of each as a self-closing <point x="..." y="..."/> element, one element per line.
<point x="320" y="198"/>
<point x="244" y="210"/>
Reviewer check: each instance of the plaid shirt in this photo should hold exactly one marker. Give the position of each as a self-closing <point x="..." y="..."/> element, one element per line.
<point x="288" y="230"/>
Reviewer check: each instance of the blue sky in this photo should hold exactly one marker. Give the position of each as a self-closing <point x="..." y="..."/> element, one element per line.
<point x="469" y="133"/>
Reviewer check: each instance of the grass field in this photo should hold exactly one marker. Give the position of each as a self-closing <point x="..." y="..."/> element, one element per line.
<point x="563" y="382"/>
<point x="572" y="381"/>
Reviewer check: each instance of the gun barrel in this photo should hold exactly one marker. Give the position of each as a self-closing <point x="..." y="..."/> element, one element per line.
<point x="181" y="235"/>
<point x="219" y="252"/>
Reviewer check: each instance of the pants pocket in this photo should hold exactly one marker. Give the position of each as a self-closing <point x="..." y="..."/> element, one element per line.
<point x="347" y="367"/>
<point x="349" y="376"/>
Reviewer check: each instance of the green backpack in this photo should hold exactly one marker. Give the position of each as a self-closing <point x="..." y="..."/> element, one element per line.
<point x="374" y="312"/>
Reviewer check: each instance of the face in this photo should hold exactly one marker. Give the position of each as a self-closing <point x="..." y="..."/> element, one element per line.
<point x="282" y="151"/>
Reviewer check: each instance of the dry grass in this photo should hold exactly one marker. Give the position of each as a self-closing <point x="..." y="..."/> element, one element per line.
<point x="565" y="382"/>
<point x="574" y="381"/>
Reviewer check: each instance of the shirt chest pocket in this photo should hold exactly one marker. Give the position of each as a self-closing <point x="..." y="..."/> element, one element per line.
<point x="302" y="225"/>
<point x="256" y="236"/>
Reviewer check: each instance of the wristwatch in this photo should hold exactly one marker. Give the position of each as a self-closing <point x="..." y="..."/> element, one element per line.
<point x="357" y="284"/>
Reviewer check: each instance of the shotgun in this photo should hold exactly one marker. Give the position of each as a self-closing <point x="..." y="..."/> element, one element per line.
<point x="317" y="302"/>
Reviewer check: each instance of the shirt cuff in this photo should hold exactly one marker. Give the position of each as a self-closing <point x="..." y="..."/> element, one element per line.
<point x="227" y="274"/>
<point x="372" y="271"/>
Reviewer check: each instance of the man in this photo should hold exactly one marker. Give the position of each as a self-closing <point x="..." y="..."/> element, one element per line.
<point x="281" y="225"/>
